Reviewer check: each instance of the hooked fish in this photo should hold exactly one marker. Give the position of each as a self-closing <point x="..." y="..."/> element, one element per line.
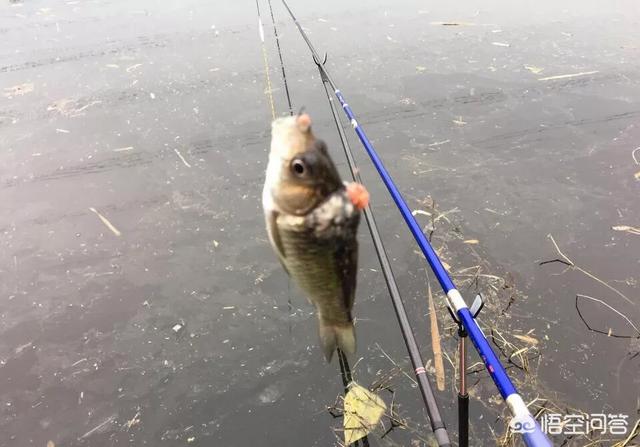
<point x="312" y="219"/>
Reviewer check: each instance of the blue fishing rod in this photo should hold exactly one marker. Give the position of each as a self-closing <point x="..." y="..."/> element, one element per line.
<point x="522" y="420"/>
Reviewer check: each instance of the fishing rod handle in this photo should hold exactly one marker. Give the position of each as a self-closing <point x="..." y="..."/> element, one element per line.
<point x="463" y="420"/>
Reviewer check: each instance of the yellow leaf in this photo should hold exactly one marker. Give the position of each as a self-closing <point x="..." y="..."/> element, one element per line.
<point x="472" y="241"/>
<point x="637" y="175"/>
<point x="362" y="412"/>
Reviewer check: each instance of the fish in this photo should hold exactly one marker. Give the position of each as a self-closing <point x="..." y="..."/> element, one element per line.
<point x="312" y="220"/>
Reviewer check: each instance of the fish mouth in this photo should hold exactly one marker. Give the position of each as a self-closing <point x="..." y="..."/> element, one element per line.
<point x="300" y="200"/>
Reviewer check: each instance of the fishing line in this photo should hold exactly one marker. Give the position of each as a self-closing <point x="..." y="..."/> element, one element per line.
<point x="269" y="92"/>
<point x="284" y="75"/>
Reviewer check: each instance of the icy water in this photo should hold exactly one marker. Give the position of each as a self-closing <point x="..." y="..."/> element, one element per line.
<point x="178" y="331"/>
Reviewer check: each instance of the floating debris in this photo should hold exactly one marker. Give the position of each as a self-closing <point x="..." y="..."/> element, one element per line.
<point x="471" y="241"/>
<point x="135" y="420"/>
<point x="79" y="361"/>
<point x="271" y="394"/>
<point x="18" y="90"/>
<point x="69" y="107"/>
<point x="63" y="131"/>
<point x="424" y="213"/>
<point x="453" y="23"/>
<point x="122" y="149"/>
<point x="182" y="158"/>
<point x="627" y="229"/>
<point x="501" y="44"/>
<point x="178" y="327"/>
<point x="564" y="259"/>
<point x="438" y="143"/>
<point x="362" y="412"/>
<point x="567" y="76"/>
<point x="526" y="339"/>
<point x="21" y="348"/>
<point x="609" y="332"/>
<point x="436" y="344"/>
<point x="98" y="428"/>
<point x="105" y="221"/>
<point x="533" y="69"/>
<point x="132" y="67"/>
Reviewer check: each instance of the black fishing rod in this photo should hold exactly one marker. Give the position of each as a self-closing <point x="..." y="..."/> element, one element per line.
<point x="426" y="391"/>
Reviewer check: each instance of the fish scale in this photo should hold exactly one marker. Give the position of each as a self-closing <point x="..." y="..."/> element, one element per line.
<point x="311" y="261"/>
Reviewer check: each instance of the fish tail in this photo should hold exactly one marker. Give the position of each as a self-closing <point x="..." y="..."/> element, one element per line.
<point x="334" y="336"/>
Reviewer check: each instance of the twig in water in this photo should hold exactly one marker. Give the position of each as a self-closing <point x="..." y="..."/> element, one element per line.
<point x="571" y="265"/>
<point x="566" y="76"/>
<point x="627" y="229"/>
<point x="97" y="428"/>
<point x="182" y="158"/>
<point x="105" y="221"/>
<point x="599" y="331"/>
<point x="562" y="261"/>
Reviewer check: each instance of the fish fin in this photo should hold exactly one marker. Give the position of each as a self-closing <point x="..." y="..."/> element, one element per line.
<point x="271" y="218"/>
<point x="337" y="336"/>
<point x="346" y="336"/>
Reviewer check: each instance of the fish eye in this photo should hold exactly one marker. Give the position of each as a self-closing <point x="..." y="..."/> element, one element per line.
<point x="298" y="167"/>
